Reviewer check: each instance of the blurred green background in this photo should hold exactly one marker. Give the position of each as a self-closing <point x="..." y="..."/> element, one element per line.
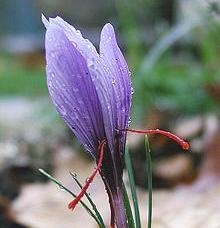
<point x="173" y="51"/>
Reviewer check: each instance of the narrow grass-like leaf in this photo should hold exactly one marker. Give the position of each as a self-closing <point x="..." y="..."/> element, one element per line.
<point x="89" y="199"/>
<point x="72" y="194"/>
<point x="149" y="180"/>
<point x="128" y="207"/>
<point x="133" y="188"/>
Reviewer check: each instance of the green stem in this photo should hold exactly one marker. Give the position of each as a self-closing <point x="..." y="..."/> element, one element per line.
<point x="133" y="189"/>
<point x="149" y="180"/>
<point x="72" y="194"/>
<point x="128" y="207"/>
<point x="90" y="200"/>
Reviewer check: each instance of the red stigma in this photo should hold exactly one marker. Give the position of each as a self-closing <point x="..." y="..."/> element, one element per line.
<point x="181" y="142"/>
<point x="73" y="203"/>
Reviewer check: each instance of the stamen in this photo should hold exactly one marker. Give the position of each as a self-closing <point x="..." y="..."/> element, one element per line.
<point x="73" y="203"/>
<point x="181" y="142"/>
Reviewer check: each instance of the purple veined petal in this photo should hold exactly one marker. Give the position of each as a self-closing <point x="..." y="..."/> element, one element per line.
<point x="72" y="90"/>
<point x="119" y="75"/>
<point x="100" y="77"/>
<point x="84" y="46"/>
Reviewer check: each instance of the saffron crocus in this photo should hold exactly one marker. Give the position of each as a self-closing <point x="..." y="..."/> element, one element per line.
<point x="92" y="92"/>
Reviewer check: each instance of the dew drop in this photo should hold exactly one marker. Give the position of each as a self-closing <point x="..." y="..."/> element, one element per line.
<point x="132" y="90"/>
<point x="91" y="63"/>
<point x="74" y="175"/>
<point x="113" y="81"/>
<point x="78" y="33"/>
<point x="52" y="75"/>
<point x="62" y="110"/>
<point x="56" y="105"/>
<point x="53" y="54"/>
<point x="75" y="90"/>
<point x="61" y="189"/>
<point x="87" y="179"/>
<point x="74" y="44"/>
<point x="80" y="101"/>
<point x="49" y="83"/>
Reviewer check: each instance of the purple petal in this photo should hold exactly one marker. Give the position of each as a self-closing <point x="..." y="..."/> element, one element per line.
<point x="84" y="46"/>
<point x="71" y="88"/>
<point x="101" y="78"/>
<point x="119" y="75"/>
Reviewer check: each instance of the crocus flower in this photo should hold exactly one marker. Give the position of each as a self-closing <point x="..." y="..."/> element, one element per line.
<point x="92" y="92"/>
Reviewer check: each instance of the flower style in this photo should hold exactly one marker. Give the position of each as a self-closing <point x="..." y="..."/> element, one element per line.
<point x="92" y="92"/>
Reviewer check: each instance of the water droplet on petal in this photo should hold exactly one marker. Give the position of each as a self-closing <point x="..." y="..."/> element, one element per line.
<point x="52" y="92"/>
<point x="49" y="83"/>
<point x="53" y="54"/>
<point x="62" y="110"/>
<point x="113" y="81"/>
<point x="80" y="101"/>
<point x="78" y="33"/>
<point x="132" y="90"/>
<point x="52" y="75"/>
<point x="91" y="63"/>
<point x="75" y="90"/>
<point x="74" y="44"/>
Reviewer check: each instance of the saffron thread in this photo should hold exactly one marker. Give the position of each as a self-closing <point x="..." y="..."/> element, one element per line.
<point x="73" y="203"/>
<point x="181" y="142"/>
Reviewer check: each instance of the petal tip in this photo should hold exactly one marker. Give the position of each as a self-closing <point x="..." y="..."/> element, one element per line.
<point x="45" y="21"/>
<point x="107" y="31"/>
<point x="108" y="26"/>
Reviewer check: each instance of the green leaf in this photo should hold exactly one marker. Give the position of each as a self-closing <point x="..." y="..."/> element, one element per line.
<point x="133" y="189"/>
<point x="98" y="215"/>
<point x="128" y="207"/>
<point x="149" y="180"/>
<point x="72" y="194"/>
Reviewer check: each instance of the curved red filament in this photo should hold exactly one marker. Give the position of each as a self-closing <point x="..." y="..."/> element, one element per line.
<point x="181" y="142"/>
<point x="73" y="203"/>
